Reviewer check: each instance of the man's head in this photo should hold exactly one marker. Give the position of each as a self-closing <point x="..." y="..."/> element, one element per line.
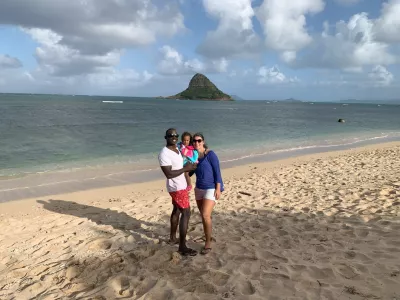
<point x="171" y="136"/>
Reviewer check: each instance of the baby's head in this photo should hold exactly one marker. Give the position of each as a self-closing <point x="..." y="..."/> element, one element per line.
<point x="186" y="138"/>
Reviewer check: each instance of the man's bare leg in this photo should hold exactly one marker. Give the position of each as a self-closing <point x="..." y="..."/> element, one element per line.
<point x="183" y="228"/>
<point x="174" y="224"/>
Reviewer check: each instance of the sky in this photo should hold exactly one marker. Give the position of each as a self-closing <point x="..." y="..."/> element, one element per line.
<point x="320" y="50"/>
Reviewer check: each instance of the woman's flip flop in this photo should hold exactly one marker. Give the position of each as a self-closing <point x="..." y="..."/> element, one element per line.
<point x="205" y="251"/>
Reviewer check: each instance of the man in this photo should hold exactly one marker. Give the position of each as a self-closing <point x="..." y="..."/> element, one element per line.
<point x="171" y="162"/>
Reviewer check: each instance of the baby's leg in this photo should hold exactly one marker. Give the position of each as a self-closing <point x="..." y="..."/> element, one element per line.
<point x="188" y="181"/>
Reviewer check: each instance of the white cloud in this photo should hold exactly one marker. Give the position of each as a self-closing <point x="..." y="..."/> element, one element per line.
<point x="173" y="63"/>
<point x="7" y="62"/>
<point x="110" y="81"/>
<point x="284" y="24"/>
<point x="115" y="79"/>
<point x="288" y="56"/>
<point x="234" y="36"/>
<point x="351" y="46"/>
<point x="219" y="65"/>
<point x="60" y="60"/>
<point x="246" y="72"/>
<point x="87" y="37"/>
<point x="29" y="76"/>
<point x="388" y="25"/>
<point x="381" y="76"/>
<point x="377" y="77"/>
<point x="273" y="76"/>
<point x="97" y="26"/>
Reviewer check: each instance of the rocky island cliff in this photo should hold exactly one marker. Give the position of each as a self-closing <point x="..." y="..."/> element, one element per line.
<point x="201" y="88"/>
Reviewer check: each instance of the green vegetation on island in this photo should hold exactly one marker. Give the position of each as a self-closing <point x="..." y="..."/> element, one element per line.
<point x="201" y="88"/>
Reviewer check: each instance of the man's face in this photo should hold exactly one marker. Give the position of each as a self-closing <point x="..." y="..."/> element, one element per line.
<point x="172" y="137"/>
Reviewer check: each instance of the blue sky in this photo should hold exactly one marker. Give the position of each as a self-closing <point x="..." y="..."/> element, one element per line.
<point x="261" y="49"/>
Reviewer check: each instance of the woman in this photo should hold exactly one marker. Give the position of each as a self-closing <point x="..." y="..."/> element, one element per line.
<point x="209" y="185"/>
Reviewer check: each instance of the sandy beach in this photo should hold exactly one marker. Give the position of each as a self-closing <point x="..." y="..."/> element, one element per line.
<point x="322" y="226"/>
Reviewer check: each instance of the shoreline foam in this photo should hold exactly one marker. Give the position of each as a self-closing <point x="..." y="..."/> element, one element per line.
<point x="45" y="184"/>
<point x="143" y="162"/>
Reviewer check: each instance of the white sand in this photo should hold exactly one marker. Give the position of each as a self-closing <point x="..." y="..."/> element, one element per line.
<point x="325" y="226"/>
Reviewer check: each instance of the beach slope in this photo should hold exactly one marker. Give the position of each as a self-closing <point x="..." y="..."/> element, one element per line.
<point x="318" y="227"/>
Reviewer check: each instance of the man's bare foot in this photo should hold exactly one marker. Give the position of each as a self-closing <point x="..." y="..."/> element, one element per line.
<point x="174" y="241"/>
<point x="187" y="252"/>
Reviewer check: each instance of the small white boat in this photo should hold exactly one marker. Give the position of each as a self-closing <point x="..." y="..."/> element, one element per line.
<point x="113" y="101"/>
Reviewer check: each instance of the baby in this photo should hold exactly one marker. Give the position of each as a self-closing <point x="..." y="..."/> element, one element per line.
<point x="189" y="154"/>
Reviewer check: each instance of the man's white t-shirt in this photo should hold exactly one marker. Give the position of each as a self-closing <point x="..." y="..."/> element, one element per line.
<point x="168" y="157"/>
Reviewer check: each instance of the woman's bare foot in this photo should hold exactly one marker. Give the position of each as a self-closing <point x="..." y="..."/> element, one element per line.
<point x="205" y="250"/>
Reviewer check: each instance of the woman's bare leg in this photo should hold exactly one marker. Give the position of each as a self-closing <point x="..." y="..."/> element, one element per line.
<point x="200" y="206"/>
<point x="207" y="208"/>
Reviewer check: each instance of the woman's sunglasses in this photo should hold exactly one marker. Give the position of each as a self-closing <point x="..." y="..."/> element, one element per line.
<point x="197" y="141"/>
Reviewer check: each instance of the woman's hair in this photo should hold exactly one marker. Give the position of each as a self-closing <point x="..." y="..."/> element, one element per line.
<point x="199" y="134"/>
<point x="185" y="134"/>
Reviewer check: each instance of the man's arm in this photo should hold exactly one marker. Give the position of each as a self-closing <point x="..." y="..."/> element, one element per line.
<point x="169" y="173"/>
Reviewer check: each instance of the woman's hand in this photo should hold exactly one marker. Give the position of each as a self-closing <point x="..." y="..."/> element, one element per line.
<point x="217" y="193"/>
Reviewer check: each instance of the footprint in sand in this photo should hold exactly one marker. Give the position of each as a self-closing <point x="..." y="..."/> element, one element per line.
<point x="72" y="272"/>
<point x="270" y="256"/>
<point x="121" y="286"/>
<point x="358" y="256"/>
<point x="362" y="233"/>
<point x="346" y="271"/>
<point x="198" y="286"/>
<point x="218" y="278"/>
<point x="100" y="244"/>
<point x="246" y="288"/>
<point x="236" y="249"/>
<point x="320" y="273"/>
<point x="236" y="238"/>
<point x="146" y="286"/>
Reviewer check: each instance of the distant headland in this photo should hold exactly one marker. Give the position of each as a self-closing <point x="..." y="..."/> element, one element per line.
<point x="201" y="88"/>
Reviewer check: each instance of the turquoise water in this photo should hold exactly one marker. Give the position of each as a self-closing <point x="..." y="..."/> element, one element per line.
<point x="41" y="133"/>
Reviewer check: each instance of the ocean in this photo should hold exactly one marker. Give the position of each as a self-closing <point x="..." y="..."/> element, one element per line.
<point x="53" y="134"/>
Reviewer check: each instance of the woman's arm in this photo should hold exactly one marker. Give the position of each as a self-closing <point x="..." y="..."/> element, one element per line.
<point x="214" y="161"/>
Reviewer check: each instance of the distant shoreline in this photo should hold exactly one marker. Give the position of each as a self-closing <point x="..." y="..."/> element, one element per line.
<point x="177" y="98"/>
<point x="381" y="102"/>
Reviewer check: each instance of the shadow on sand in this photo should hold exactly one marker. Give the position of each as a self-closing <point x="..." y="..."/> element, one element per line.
<point x="101" y="216"/>
<point x="259" y="254"/>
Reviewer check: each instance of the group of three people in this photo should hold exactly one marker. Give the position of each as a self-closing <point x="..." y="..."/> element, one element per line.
<point x="178" y="169"/>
